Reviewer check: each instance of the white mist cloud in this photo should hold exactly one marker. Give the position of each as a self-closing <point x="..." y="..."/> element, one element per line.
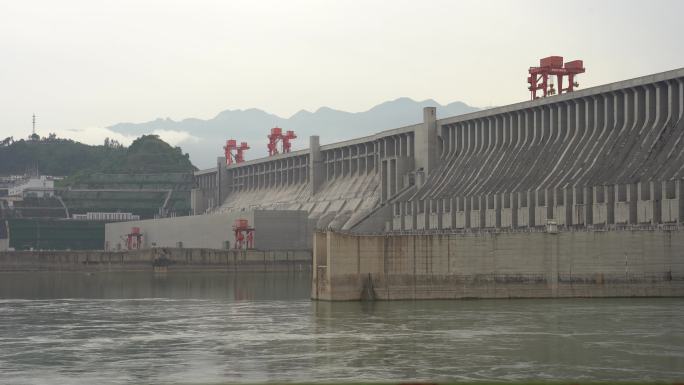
<point x="175" y="138"/>
<point x="97" y="135"/>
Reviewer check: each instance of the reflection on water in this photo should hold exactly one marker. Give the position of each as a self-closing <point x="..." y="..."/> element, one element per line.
<point x="226" y="327"/>
<point x="177" y="285"/>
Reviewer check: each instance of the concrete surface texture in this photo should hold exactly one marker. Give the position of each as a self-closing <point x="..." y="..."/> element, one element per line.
<point x="599" y="157"/>
<point x="338" y="185"/>
<point x="498" y="265"/>
<point x="282" y="230"/>
<point x="579" y="194"/>
<point x="168" y="258"/>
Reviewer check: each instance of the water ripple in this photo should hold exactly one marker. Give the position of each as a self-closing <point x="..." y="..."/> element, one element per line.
<point x="221" y="337"/>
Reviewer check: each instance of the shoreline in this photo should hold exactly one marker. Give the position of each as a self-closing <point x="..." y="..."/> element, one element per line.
<point x="157" y="259"/>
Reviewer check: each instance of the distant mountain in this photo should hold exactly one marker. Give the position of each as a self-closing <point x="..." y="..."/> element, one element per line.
<point x="252" y="125"/>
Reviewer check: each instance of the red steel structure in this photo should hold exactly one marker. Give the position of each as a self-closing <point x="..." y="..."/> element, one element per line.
<point x="538" y="78"/>
<point x="273" y="138"/>
<point x="276" y="136"/>
<point x="231" y="144"/>
<point x="134" y="239"/>
<point x="244" y="234"/>
<point x="289" y="135"/>
<point x="239" y="156"/>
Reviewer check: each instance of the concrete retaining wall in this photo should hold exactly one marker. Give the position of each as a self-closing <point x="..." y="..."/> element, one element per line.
<point x="499" y="265"/>
<point x="274" y="230"/>
<point x="173" y="259"/>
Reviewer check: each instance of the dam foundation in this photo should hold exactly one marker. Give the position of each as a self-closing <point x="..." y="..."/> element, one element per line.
<point x="534" y="264"/>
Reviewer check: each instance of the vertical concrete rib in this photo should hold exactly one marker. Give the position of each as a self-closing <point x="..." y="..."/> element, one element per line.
<point x="599" y="138"/>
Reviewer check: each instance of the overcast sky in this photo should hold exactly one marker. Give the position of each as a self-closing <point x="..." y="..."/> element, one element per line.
<point x="85" y="65"/>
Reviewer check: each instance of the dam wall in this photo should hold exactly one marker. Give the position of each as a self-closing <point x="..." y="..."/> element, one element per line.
<point x="165" y="258"/>
<point x="514" y="264"/>
<point x="337" y="184"/>
<point x="608" y="155"/>
<point x="602" y="156"/>
<point x="572" y="195"/>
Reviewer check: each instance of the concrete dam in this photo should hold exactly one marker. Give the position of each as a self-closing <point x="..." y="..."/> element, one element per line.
<point x="604" y="156"/>
<point x="578" y="194"/>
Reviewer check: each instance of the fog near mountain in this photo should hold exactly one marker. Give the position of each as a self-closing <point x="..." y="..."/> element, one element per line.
<point x="205" y="138"/>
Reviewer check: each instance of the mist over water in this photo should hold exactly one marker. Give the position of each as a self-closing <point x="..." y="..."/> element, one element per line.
<point x="133" y="328"/>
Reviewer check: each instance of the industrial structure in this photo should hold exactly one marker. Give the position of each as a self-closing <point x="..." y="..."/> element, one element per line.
<point x="244" y="234"/>
<point x="541" y="78"/>
<point x="277" y="136"/>
<point x="608" y="155"/>
<point x="239" y="156"/>
<point x="600" y="169"/>
<point x="134" y="239"/>
<point x="37" y="186"/>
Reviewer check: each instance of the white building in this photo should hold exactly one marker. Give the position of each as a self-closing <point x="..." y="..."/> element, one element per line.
<point x="110" y="217"/>
<point x="39" y="187"/>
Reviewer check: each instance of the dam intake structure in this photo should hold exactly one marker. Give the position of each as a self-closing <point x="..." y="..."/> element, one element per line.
<point x="607" y="159"/>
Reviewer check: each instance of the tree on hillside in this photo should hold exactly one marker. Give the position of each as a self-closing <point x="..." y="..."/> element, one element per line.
<point x="112" y="143"/>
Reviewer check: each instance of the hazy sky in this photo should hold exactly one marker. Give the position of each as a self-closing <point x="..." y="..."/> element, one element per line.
<point x="84" y="65"/>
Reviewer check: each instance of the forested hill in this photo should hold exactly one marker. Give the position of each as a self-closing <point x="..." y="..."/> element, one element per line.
<point x="64" y="157"/>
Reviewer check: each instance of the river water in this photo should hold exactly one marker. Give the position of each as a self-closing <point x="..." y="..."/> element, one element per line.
<point x="135" y="328"/>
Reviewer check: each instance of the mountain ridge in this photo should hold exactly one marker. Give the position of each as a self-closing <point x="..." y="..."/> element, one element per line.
<point x="206" y="137"/>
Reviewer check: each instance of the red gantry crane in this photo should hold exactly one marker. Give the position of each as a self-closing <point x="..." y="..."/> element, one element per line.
<point x="134" y="239"/>
<point x="244" y="234"/>
<point x="289" y="135"/>
<point x="276" y="136"/>
<point x="239" y="156"/>
<point x="273" y="138"/>
<point x="231" y="144"/>
<point x="539" y="77"/>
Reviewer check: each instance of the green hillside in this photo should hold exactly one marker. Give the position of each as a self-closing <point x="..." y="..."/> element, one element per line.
<point x="58" y="157"/>
<point x="146" y="195"/>
<point x="149" y="154"/>
<point x="64" y="157"/>
<point x="149" y="178"/>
